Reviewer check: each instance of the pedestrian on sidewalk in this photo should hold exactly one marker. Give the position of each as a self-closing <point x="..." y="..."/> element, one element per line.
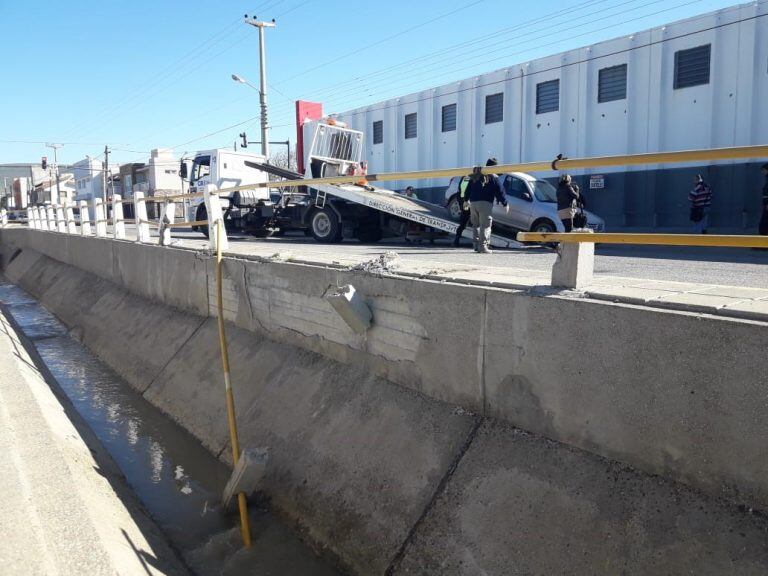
<point x="569" y="201"/>
<point x="763" y="227"/>
<point x="463" y="200"/>
<point x="482" y="190"/>
<point x="701" y="199"/>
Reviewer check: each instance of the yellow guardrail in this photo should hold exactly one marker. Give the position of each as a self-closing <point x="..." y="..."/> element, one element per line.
<point x="730" y="241"/>
<point x="733" y="153"/>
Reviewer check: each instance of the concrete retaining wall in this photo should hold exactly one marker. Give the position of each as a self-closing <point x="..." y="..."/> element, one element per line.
<point x="375" y="447"/>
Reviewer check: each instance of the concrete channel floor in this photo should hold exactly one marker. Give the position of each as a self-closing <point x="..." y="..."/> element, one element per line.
<point x="62" y="513"/>
<point x="721" y="281"/>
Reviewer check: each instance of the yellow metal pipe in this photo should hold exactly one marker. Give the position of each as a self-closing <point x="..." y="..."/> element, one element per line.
<point x="734" y="153"/>
<point x="245" y="527"/>
<point x="729" y="241"/>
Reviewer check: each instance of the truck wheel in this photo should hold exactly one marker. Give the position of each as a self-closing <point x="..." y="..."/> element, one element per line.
<point x="369" y="235"/>
<point x="202" y="214"/>
<point x="454" y="208"/>
<point x="325" y="226"/>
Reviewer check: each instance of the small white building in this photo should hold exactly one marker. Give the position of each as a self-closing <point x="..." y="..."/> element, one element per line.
<point x="696" y="83"/>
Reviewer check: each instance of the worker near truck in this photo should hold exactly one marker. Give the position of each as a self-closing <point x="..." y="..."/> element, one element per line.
<point x="465" y="211"/>
<point x="482" y="190"/>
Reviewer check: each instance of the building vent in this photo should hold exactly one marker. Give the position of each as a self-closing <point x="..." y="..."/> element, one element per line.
<point x="548" y="97"/>
<point x="612" y="83"/>
<point x="378" y="132"/>
<point x="692" y="66"/>
<point x="410" y="126"/>
<point x="494" y="108"/>
<point x="449" y="118"/>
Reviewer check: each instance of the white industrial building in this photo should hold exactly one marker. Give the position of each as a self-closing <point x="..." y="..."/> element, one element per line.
<point x="696" y="83"/>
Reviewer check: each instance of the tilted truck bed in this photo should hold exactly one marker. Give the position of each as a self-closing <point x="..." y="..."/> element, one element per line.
<point x="418" y="211"/>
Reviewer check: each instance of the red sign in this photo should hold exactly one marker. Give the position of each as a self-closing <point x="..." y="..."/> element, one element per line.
<point x="305" y="111"/>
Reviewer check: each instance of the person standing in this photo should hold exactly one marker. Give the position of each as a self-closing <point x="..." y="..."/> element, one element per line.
<point x="763" y="227"/>
<point x="701" y="199"/>
<point x="482" y="190"/>
<point x="464" y="216"/>
<point x="568" y="201"/>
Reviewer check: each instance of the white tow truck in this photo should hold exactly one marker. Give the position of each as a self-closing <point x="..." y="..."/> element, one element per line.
<point x="328" y="212"/>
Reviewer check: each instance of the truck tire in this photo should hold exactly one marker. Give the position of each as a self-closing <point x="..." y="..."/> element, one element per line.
<point x="202" y="214"/>
<point x="325" y="226"/>
<point x="369" y="235"/>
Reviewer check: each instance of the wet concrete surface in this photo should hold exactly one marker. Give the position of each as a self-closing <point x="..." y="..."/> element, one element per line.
<point x="178" y="481"/>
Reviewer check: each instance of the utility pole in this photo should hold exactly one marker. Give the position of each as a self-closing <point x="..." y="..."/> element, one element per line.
<point x="263" y="91"/>
<point x="104" y="173"/>
<point x="56" y="168"/>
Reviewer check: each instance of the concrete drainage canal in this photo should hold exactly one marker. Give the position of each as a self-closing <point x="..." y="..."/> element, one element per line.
<point x="176" y="479"/>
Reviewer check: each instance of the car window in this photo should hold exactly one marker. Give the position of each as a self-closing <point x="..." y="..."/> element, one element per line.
<point x="544" y="191"/>
<point x="515" y="188"/>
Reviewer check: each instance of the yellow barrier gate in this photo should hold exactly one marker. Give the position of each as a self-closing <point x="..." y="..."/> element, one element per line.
<point x="731" y="241"/>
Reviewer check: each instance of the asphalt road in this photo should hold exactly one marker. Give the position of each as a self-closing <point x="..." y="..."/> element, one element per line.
<point x="725" y="266"/>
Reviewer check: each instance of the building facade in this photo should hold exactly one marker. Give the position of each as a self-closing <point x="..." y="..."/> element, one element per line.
<point x="696" y="83"/>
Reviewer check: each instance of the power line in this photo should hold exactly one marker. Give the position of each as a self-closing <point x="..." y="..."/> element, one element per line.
<point x="574" y="63"/>
<point x="150" y="83"/>
<point x="382" y="41"/>
<point x="454" y="70"/>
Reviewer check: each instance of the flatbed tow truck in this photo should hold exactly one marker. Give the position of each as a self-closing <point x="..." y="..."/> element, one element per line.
<point x="327" y="212"/>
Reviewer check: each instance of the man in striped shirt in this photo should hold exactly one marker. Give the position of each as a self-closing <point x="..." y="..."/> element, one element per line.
<point x="701" y="199"/>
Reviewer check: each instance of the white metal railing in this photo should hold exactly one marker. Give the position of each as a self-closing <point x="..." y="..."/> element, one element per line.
<point x="337" y="144"/>
<point x="61" y="219"/>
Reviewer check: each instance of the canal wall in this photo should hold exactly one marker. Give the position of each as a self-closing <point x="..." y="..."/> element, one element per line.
<point x="428" y="441"/>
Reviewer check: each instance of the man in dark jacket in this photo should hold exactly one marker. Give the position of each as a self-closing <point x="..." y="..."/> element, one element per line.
<point x="568" y="201"/>
<point x="463" y="200"/>
<point x="482" y="190"/>
<point x="763" y="227"/>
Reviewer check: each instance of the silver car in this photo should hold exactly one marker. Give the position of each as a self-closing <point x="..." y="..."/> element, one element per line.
<point x="532" y="205"/>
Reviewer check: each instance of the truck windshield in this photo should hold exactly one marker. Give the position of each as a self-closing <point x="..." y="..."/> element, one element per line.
<point x="544" y="191"/>
<point x="201" y="168"/>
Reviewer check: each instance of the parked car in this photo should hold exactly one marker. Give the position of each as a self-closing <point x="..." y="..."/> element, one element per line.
<point x="532" y="205"/>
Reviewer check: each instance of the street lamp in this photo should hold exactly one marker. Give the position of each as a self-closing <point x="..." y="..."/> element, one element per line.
<point x="263" y="77"/>
<point x="241" y="80"/>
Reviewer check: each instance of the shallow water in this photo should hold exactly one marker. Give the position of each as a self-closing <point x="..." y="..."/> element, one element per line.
<point x="178" y="481"/>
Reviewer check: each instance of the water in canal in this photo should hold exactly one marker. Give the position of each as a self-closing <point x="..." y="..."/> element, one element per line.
<point x="178" y="481"/>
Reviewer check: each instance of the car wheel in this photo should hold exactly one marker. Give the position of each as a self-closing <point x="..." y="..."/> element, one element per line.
<point x="454" y="208"/>
<point x="325" y="226"/>
<point x="543" y="226"/>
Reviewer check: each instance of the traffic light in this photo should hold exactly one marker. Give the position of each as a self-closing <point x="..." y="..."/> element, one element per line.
<point x="45" y="163"/>
<point x="245" y="140"/>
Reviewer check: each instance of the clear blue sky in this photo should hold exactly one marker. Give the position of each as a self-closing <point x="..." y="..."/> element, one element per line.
<point x="139" y="75"/>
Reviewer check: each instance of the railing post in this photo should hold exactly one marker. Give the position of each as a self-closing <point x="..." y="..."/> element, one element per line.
<point x="140" y="215"/>
<point x="3" y="218"/>
<point x="36" y="214"/>
<point x="51" y="216"/>
<point x="575" y="264"/>
<point x="61" y="225"/>
<point x="70" y="215"/>
<point x="213" y="209"/>
<point x="31" y="217"/>
<point x="42" y="218"/>
<point x="167" y="219"/>
<point x="85" y="220"/>
<point x="100" y="218"/>
<point x="118" y="225"/>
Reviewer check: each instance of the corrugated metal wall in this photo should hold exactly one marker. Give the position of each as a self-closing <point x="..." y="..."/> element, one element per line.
<point x="730" y="110"/>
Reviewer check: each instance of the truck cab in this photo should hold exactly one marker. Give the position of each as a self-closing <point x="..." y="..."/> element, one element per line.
<point x="223" y="168"/>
